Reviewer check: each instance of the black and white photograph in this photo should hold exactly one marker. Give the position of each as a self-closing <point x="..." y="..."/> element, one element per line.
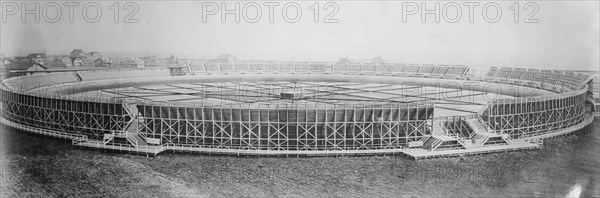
<point x="307" y="98"/>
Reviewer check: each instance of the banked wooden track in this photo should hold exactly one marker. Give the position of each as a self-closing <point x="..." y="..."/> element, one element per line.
<point x="238" y="136"/>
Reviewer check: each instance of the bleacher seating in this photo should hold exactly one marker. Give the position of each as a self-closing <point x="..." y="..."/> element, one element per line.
<point x="383" y="68"/>
<point x="286" y="67"/>
<point x="339" y="67"/>
<point x="257" y="66"/>
<point x="504" y="72"/>
<point x="568" y="80"/>
<point x="271" y="66"/>
<point x="457" y="70"/>
<point x="301" y="67"/>
<point x="211" y="67"/>
<point x="425" y="69"/>
<point x="318" y="66"/>
<point x="492" y="71"/>
<point x="354" y="67"/>
<point x="242" y="66"/>
<point x="440" y="69"/>
<point x="414" y="70"/>
<point x="368" y="67"/>
<point x="196" y="67"/>
<point x="397" y="68"/>
<point x="226" y="67"/>
<point x="93" y="75"/>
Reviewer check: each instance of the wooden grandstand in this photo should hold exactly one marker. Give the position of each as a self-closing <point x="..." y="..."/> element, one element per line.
<point x="341" y="129"/>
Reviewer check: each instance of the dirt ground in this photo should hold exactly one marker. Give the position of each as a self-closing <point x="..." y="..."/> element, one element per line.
<point x="33" y="166"/>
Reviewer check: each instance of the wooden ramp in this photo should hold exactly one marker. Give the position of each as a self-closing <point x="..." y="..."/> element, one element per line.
<point x="513" y="146"/>
<point x="149" y="150"/>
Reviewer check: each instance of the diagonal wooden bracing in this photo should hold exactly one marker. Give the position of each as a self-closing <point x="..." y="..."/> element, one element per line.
<point x="90" y="118"/>
<point x="527" y="117"/>
<point x="286" y="127"/>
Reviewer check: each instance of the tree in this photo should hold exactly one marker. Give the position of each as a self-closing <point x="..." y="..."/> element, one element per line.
<point x="378" y="60"/>
<point x="345" y="60"/>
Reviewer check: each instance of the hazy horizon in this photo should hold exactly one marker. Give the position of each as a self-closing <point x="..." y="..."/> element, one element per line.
<point x="566" y="36"/>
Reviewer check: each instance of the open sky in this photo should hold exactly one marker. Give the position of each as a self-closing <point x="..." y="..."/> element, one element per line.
<point x="566" y="35"/>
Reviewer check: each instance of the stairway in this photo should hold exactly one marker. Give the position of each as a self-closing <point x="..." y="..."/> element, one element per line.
<point x="136" y="140"/>
<point x="131" y="129"/>
<point x="477" y="126"/>
<point x="437" y="128"/>
<point x="108" y="137"/>
<point x="480" y="139"/>
<point x="432" y="143"/>
<point x="481" y="134"/>
<point x="132" y="111"/>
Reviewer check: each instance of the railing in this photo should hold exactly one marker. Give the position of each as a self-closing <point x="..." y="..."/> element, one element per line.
<point x="436" y="144"/>
<point x="504" y="135"/>
<point x="536" y="141"/>
<point x="155" y="149"/>
<point x="472" y="134"/>
<point x="482" y="110"/>
<point x="469" y="116"/>
<point x="484" y="124"/>
<point x="426" y="138"/>
<point x="458" y="137"/>
<point x="131" y="114"/>
<point x="444" y="128"/>
<point x="109" y="137"/>
<point x="539" y="142"/>
<point x="76" y="138"/>
<point x="79" y="139"/>
<point x="484" y="139"/>
<point x="476" y="126"/>
<point x="131" y="139"/>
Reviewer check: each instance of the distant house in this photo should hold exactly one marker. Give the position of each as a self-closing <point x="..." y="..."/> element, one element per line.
<point x="103" y="62"/>
<point x="63" y="62"/>
<point x="133" y="62"/>
<point x="94" y="54"/>
<point x="78" y="53"/>
<point x="37" y="67"/>
<point x="173" y="60"/>
<point x="151" y="60"/>
<point x="89" y="61"/>
<point x="23" y="67"/>
<point x="26" y="66"/>
<point x="77" y="62"/>
<point x="19" y="59"/>
<point x="37" y="57"/>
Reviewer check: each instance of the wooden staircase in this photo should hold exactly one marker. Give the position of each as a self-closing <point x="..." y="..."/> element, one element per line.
<point x="482" y="133"/>
<point x="132" y="129"/>
<point x="441" y="136"/>
<point x="432" y="143"/>
<point x="130" y="132"/>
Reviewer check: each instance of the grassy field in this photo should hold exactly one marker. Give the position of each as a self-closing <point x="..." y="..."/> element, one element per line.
<point x="33" y="166"/>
